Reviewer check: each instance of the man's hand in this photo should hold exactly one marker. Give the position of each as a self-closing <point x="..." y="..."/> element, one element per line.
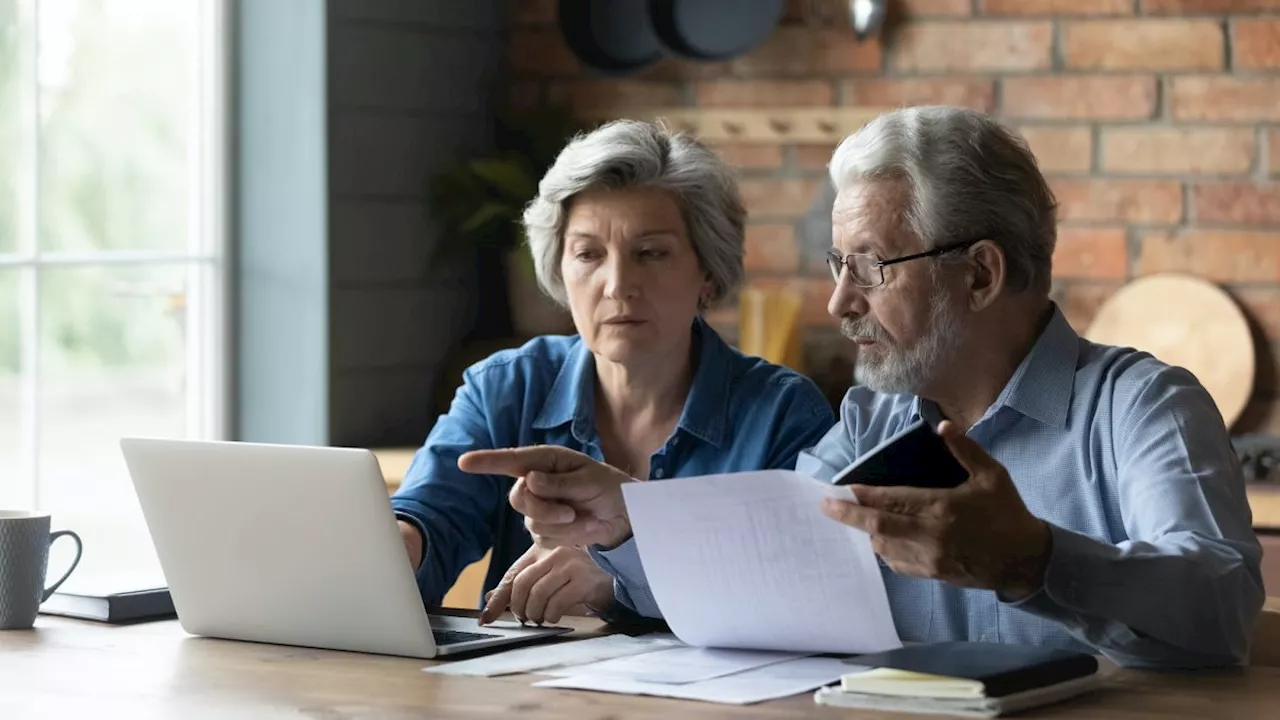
<point x="978" y="535"/>
<point x="567" y="498"/>
<point x="412" y="542"/>
<point x="547" y="584"/>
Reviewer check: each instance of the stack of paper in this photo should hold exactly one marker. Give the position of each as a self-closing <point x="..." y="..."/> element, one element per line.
<point x="547" y="657"/>
<point x="736" y="677"/>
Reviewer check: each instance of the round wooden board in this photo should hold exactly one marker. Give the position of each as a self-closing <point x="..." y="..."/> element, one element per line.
<point x="1189" y="322"/>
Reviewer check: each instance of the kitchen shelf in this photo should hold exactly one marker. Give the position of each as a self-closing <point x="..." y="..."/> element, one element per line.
<point x="816" y="125"/>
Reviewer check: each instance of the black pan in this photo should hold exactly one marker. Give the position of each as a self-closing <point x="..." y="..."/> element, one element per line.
<point x="612" y="36"/>
<point x="714" y="29"/>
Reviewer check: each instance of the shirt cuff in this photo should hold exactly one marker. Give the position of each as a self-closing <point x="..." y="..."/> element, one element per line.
<point x="422" y="530"/>
<point x="630" y="587"/>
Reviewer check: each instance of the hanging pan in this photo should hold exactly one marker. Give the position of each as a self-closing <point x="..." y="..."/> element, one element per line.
<point x="614" y="37"/>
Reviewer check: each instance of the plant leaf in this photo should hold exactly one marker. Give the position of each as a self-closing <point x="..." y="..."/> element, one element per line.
<point x="508" y="176"/>
<point x="484" y="214"/>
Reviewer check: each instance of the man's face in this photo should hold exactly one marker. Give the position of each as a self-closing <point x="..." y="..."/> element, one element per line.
<point x="909" y="327"/>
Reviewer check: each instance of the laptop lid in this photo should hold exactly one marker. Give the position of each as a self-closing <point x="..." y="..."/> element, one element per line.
<point x="281" y="544"/>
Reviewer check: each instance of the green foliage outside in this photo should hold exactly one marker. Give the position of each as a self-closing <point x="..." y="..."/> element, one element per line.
<point x="114" y="117"/>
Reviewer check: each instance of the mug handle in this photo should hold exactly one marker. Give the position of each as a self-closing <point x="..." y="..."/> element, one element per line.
<point x="79" y="549"/>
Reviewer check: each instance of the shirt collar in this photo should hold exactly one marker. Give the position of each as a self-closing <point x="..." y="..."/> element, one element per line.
<point x="1041" y="386"/>
<point x="572" y="395"/>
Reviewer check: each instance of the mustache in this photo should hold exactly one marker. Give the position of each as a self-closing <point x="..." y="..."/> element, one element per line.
<point x="863" y="327"/>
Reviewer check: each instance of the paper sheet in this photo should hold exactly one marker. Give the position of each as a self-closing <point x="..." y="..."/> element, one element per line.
<point x="540" y="657"/>
<point x="753" y="686"/>
<point x="678" y="665"/>
<point x="748" y="560"/>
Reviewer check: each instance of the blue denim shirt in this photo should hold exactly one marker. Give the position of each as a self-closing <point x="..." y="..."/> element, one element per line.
<point x="742" y="413"/>
<point x="1154" y="559"/>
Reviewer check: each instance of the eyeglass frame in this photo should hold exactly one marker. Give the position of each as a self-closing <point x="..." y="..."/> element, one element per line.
<point x="843" y="262"/>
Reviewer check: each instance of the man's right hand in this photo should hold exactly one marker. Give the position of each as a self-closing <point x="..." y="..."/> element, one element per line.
<point x="567" y="497"/>
<point x="412" y="542"/>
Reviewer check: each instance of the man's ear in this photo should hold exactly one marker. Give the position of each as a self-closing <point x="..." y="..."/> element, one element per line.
<point x="987" y="273"/>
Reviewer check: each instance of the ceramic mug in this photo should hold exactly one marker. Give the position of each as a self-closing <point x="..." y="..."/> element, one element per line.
<point x="24" y="558"/>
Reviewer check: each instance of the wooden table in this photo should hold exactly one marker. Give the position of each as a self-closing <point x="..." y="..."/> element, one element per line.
<point x="71" y="669"/>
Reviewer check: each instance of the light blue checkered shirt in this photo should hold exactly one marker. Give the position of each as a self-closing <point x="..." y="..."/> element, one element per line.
<point x="1154" y="559"/>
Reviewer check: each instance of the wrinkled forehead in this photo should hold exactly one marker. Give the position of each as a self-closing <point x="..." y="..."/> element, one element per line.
<point x="870" y="217"/>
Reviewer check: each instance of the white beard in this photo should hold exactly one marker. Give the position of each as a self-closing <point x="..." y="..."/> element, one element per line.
<point x="896" y="370"/>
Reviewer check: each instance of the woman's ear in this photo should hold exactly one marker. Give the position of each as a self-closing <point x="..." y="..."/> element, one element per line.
<point x="987" y="273"/>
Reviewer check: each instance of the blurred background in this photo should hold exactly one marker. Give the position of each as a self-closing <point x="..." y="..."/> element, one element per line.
<point x="293" y="220"/>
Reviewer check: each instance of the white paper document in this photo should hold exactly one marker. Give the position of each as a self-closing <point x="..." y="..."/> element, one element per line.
<point x="752" y="686"/>
<point x="540" y="657"/>
<point x="748" y="560"/>
<point x="677" y="665"/>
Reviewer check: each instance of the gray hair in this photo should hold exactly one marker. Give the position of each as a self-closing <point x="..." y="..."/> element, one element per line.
<point x="969" y="176"/>
<point x="630" y="153"/>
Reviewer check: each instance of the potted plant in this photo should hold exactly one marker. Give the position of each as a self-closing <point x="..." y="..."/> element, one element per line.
<point x="480" y="200"/>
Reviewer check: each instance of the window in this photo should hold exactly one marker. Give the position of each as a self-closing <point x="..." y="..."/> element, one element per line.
<point x="112" y="258"/>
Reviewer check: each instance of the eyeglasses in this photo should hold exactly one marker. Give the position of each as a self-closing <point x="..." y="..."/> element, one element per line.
<point x="867" y="270"/>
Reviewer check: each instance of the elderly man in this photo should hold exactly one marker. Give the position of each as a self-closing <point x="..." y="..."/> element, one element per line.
<point x="1105" y="509"/>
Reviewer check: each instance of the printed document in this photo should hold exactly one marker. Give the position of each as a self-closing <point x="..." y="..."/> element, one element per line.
<point x="748" y="560"/>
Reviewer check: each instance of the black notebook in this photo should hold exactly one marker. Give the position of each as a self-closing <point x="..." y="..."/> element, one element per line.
<point x="967" y="669"/>
<point x="112" y="607"/>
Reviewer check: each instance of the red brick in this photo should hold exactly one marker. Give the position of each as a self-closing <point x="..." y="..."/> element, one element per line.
<point x="941" y="8"/>
<point x="750" y="156"/>
<point x="1220" y="97"/>
<point x="1080" y="301"/>
<point x="1255" y="43"/>
<point x="805" y="51"/>
<point x="673" y="68"/>
<point x="1057" y="7"/>
<point x="1155" y="202"/>
<point x="961" y="92"/>
<point x="533" y="12"/>
<point x="779" y="198"/>
<point x="1090" y="252"/>
<point x="985" y="46"/>
<point x="1060" y="149"/>
<point x="1273" y="151"/>
<point x="1262" y="305"/>
<point x="772" y="248"/>
<point x="1178" y="7"/>
<point x="608" y="98"/>
<point x="1162" y="44"/>
<point x="1177" y="150"/>
<point x="1236" y="203"/>
<point x="1225" y="256"/>
<point x="814" y="157"/>
<point x="540" y="52"/>
<point x="1093" y="97"/>
<point x="763" y="93"/>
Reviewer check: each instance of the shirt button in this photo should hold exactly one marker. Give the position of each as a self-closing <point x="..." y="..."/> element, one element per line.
<point x="658" y="473"/>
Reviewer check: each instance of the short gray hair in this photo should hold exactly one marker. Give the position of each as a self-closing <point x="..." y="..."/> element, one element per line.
<point x="630" y="153"/>
<point x="970" y="178"/>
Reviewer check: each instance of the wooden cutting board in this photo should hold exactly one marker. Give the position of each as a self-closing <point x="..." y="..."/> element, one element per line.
<point x="1185" y="321"/>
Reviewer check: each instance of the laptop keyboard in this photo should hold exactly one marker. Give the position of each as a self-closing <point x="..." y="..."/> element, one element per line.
<point x="453" y="637"/>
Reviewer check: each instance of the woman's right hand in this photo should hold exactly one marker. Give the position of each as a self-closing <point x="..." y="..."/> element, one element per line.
<point x="546" y="584"/>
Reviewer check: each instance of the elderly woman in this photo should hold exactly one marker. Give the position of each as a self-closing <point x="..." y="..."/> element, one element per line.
<point x="637" y="231"/>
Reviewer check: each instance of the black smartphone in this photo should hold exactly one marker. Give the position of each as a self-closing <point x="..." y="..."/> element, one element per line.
<point x="915" y="457"/>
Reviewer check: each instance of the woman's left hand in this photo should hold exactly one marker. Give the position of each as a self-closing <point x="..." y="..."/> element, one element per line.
<point x="548" y="583"/>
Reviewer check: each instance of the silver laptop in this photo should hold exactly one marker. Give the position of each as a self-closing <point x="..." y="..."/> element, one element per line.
<point x="294" y="546"/>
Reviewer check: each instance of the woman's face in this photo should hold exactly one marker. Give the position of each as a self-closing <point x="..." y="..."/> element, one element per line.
<point x="631" y="273"/>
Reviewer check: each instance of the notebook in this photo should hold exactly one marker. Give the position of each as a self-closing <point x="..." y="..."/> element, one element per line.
<point x="111" y="607"/>
<point x="963" y="678"/>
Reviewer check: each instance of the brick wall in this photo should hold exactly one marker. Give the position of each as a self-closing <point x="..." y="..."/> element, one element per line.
<point x="1157" y="122"/>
